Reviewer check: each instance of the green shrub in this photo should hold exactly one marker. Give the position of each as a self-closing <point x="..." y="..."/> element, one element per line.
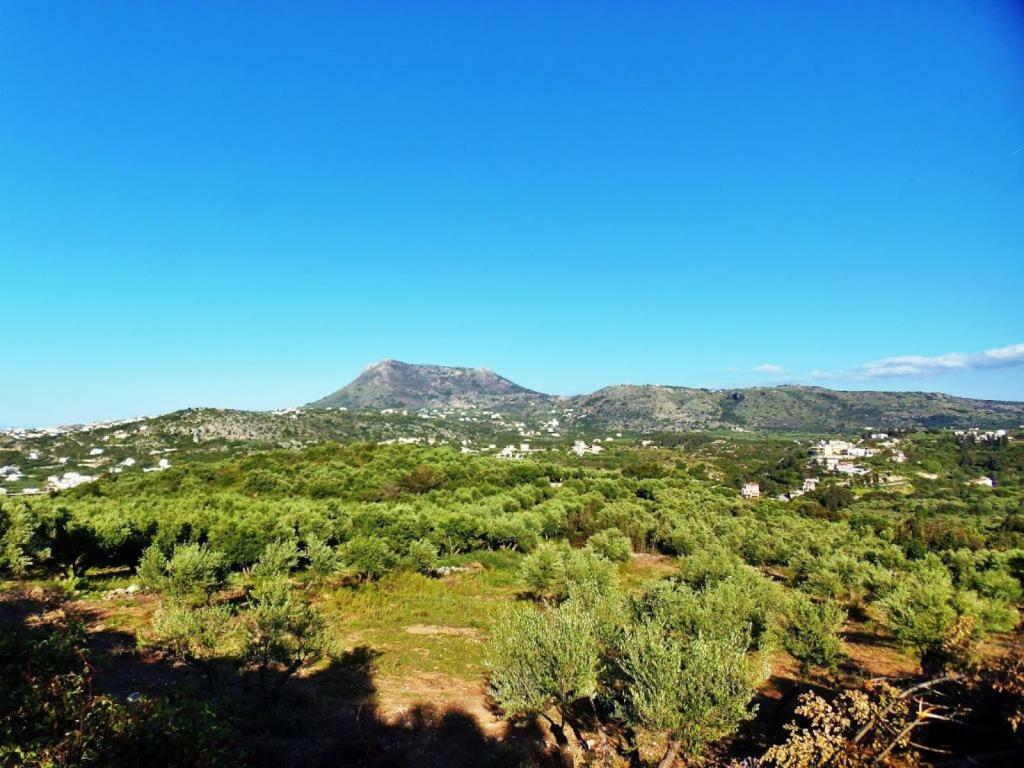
<point x="422" y="556"/>
<point x="810" y="630"/>
<point x="612" y="544"/>
<point x="368" y="557"/>
<point x="277" y="561"/>
<point x="324" y="560"/>
<point x="282" y="634"/>
<point x="694" y="691"/>
<point x="919" y="609"/>
<point x="192" y="573"/>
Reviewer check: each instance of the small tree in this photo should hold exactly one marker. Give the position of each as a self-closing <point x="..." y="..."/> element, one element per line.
<point x="324" y="560"/>
<point x="422" y="556"/>
<point x="152" y="569"/>
<point x="810" y="630"/>
<point x="694" y="691"/>
<point x="542" y="661"/>
<point x="612" y="544"/>
<point x="17" y="533"/>
<point x="192" y="573"/>
<point x="194" y="635"/>
<point x="276" y="561"/>
<point x="369" y="557"/>
<point x="283" y="633"/>
<point x="586" y="571"/>
<point x="919" y="609"/>
<point x="543" y="571"/>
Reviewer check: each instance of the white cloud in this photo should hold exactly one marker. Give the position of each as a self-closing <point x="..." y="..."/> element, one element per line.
<point x="920" y="366"/>
<point x="769" y="368"/>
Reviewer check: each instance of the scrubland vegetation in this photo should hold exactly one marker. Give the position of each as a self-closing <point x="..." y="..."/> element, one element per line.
<point x="390" y="605"/>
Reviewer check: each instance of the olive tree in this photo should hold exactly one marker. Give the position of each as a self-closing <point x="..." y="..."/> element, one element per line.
<point x="195" y="635"/>
<point x="543" y="571"/>
<point x="541" y="663"/>
<point x="690" y="691"/>
<point x="810" y="630"/>
<point x="276" y="561"/>
<point x="919" y="609"/>
<point x="422" y="556"/>
<point x="192" y="573"/>
<point x="324" y="560"/>
<point x="555" y="571"/>
<point x="17" y="533"/>
<point x="282" y="634"/>
<point x="368" y="557"/>
<point x="612" y="544"/>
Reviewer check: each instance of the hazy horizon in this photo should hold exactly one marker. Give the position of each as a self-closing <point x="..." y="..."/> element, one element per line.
<point x="877" y="386"/>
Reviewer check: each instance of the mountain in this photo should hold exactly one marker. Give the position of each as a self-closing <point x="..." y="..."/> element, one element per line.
<point x="651" y="408"/>
<point x="789" y="408"/>
<point x="393" y="384"/>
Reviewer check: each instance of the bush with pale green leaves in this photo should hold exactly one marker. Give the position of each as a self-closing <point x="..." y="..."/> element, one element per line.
<point x="422" y="556"/>
<point x="283" y="633"/>
<point x="277" y="560"/>
<point x="612" y="544"/>
<point x="810" y="630"/>
<point x="919" y="609"/>
<point x="368" y="557"/>
<point x="192" y="573"/>
<point x="544" y="661"/>
<point x="196" y="635"/>
<point x="694" y="691"/>
<point x="542" y="572"/>
<point x="323" y="560"/>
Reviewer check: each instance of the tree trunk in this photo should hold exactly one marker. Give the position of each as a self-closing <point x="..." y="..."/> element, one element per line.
<point x="562" y="743"/>
<point x="671" y="754"/>
<point x="604" y="746"/>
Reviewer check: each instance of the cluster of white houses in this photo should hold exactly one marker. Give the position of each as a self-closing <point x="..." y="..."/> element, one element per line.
<point x="982" y="437"/>
<point x="580" y="448"/>
<point x="67" y="480"/>
<point x="513" y="452"/>
<point x="30" y="434"/>
<point x="836" y="455"/>
<point x="753" y="490"/>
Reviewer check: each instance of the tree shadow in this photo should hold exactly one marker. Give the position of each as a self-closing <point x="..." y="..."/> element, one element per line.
<point x="329" y="716"/>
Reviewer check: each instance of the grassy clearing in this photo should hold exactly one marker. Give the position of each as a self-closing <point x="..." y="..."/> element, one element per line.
<point x="420" y="624"/>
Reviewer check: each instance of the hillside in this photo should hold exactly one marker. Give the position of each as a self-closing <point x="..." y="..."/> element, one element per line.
<point x="393" y="384"/>
<point x="788" y="408"/>
<point x="650" y="408"/>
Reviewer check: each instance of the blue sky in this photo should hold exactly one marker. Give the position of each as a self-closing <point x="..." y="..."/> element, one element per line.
<point x="243" y="204"/>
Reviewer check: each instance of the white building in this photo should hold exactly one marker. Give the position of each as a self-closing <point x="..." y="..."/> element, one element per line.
<point x="810" y="484"/>
<point x="67" y="480"/>
<point x="849" y="468"/>
<point x="580" y="448"/>
<point x="750" y="490"/>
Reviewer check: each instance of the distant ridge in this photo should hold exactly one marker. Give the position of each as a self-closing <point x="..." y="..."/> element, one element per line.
<point x="651" y="408"/>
